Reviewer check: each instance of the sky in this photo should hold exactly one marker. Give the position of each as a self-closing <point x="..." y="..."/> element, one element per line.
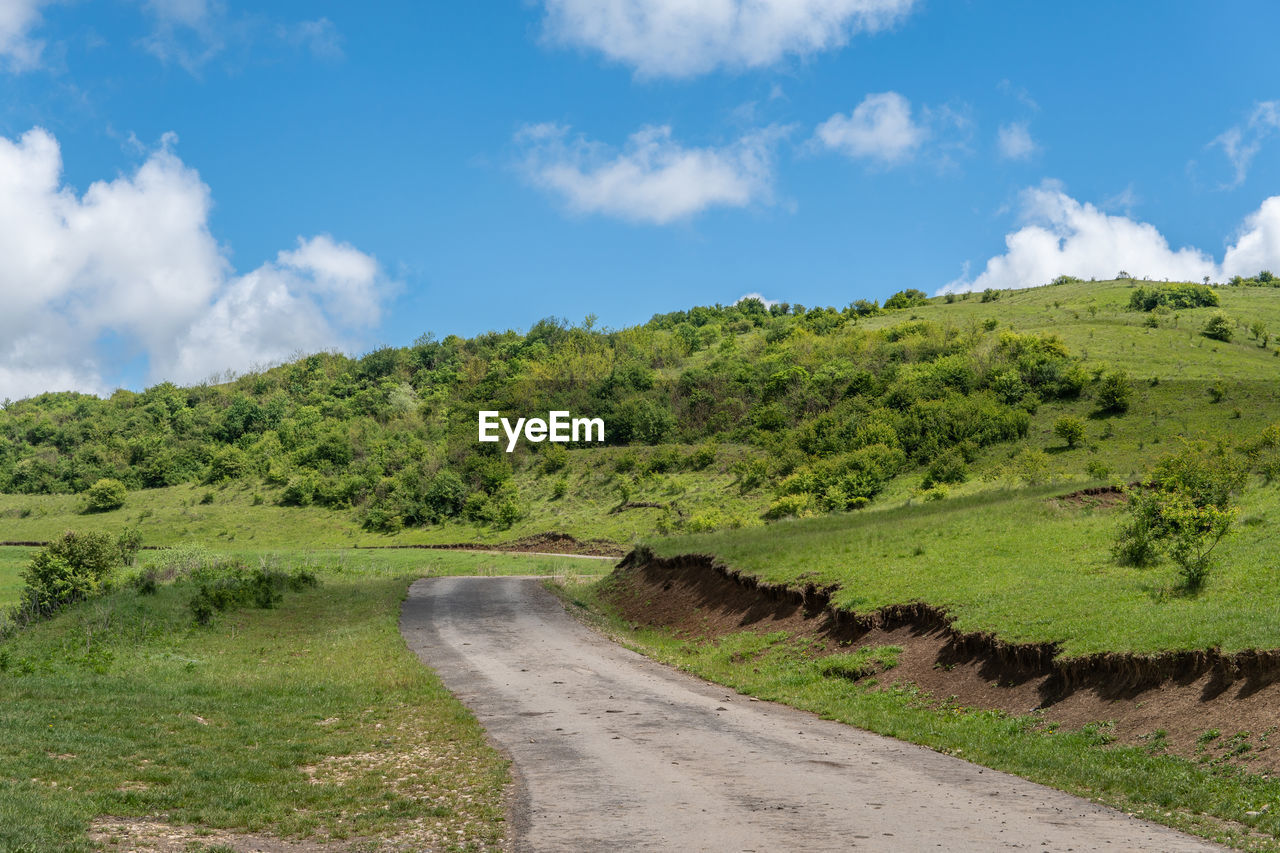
<point x="191" y="187"/>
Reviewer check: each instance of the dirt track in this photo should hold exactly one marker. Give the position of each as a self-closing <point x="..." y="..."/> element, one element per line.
<point x="615" y="752"/>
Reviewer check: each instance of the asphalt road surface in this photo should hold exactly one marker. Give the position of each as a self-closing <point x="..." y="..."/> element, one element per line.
<point x="615" y="752"/>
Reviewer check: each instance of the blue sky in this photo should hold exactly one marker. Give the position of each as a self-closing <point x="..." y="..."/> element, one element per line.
<point x="219" y="185"/>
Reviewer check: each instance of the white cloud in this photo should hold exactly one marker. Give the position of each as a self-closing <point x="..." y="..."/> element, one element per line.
<point x="193" y="32"/>
<point x="1242" y="142"/>
<point x="1014" y="141"/>
<point x="677" y="38"/>
<point x="652" y="179"/>
<point x="880" y="128"/>
<point x="1063" y="236"/>
<point x="768" y="303"/>
<point x="132" y="261"/>
<point x="1257" y="246"/>
<point x="17" y="46"/>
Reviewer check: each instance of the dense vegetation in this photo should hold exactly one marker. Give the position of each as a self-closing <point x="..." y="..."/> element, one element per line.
<point x="838" y="409"/>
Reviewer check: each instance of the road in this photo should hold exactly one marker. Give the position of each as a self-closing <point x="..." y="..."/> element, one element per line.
<point x="615" y="752"/>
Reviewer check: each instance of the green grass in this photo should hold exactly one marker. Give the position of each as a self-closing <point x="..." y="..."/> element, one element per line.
<point x="243" y="515"/>
<point x="309" y="719"/>
<point x="1209" y="799"/>
<point x="12" y="562"/>
<point x="1024" y="567"/>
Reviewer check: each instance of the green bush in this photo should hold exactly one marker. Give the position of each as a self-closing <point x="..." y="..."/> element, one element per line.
<point x="1184" y="511"/>
<point x="1114" y="392"/>
<point x="949" y="467"/>
<point x="1219" y="327"/>
<point x="105" y="495"/>
<point x="908" y="298"/>
<point x="1069" y="429"/>
<point x="1176" y="296"/>
<point x="554" y="458"/>
<point x="67" y="570"/>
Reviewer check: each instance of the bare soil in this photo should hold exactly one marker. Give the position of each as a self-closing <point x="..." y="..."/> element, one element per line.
<point x="1188" y="695"/>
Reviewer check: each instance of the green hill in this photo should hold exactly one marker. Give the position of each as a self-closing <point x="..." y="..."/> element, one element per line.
<point x="716" y="417"/>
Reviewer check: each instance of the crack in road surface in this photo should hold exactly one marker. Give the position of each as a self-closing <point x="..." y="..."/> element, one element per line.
<point x="613" y="751"/>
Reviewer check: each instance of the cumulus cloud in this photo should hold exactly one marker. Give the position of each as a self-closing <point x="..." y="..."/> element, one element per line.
<point x="653" y="179"/>
<point x="1242" y="142"/>
<point x="1062" y="236"/>
<point x="131" y="263"/>
<point x="880" y="128"/>
<point x="19" y="50"/>
<point x="675" y="38"/>
<point x="1014" y="141"/>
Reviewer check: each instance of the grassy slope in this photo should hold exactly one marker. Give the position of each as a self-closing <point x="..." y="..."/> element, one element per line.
<point x="1004" y="558"/>
<point x="120" y="706"/>
<point x="232" y="520"/>
<point x="12" y="562"/>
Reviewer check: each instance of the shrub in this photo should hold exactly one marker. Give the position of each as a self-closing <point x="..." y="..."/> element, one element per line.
<point x="1114" y="392"/>
<point x="789" y="506"/>
<point x="1219" y="328"/>
<point x="700" y="458"/>
<point x="234" y="585"/>
<point x="559" y="488"/>
<point x="554" y="458"/>
<point x="1069" y="429"/>
<point x="949" y="467"/>
<point x="1097" y="469"/>
<point x="990" y="295"/>
<point x="1185" y="511"/>
<point x="67" y="570"/>
<point x="1177" y="296"/>
<point x="105" y="495"/>
<point x="908" y="298"/>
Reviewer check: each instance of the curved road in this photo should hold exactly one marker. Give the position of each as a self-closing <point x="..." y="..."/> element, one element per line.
<point x="615" y="752"/>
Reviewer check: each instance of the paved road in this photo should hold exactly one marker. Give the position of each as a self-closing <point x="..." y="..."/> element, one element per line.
<point x="614" y="752"/>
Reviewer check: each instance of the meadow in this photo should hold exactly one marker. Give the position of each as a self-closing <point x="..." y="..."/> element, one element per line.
<point x="309" y="719"/>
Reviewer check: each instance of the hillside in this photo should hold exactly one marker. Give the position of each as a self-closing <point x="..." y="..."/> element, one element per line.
<point x="717" y="417"/>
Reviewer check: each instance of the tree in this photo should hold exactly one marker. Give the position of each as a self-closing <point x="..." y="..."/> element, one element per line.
<point x="1184" y="510"/>
<point x="1219" y="328"/>
<point x="908" y="298"/>
<point x="1069" y="429"/>
<point x="1114" y="392"/>
<point x="105" y="495"/>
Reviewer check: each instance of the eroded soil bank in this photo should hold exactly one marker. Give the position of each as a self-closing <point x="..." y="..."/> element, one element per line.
<point x="1188" y="695"/>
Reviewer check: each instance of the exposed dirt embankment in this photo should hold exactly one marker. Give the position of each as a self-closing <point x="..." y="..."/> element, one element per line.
<point x="542" y="543"/>
<point x="1185" y="694"/>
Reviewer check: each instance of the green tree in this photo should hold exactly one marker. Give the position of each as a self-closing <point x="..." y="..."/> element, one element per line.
<point x="1184" y="511"/>
<point x="1069" y="429"/>
<point x="1219" y="327"/>
<point x="105" y="495"/>
<point x="1114" y="392"/>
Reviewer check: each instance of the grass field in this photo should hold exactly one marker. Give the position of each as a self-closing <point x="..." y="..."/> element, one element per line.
<point x="1023" y="566"/>
<point x="1214" y="801"/>
<point x="310" y="719"/>
<point x="12" y="562"/>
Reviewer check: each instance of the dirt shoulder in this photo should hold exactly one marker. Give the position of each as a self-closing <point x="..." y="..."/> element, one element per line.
<point x="1187" y="695"/>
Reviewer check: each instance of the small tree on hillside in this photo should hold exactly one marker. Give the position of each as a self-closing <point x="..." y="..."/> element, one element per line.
<point x="1184" y="511"/>
<point x="1069" y="429"/>
<point x="105" y="495"/>
<point x="1114" y="392"/>
<point x="1219" y="328"/>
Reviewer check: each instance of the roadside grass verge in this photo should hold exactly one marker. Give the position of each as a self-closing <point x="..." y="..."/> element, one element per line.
<point x="310" y="719"/>
<point x="12" y="562"/>
<point x="1211" y="799"/>
<point x="1022" y="566"/>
